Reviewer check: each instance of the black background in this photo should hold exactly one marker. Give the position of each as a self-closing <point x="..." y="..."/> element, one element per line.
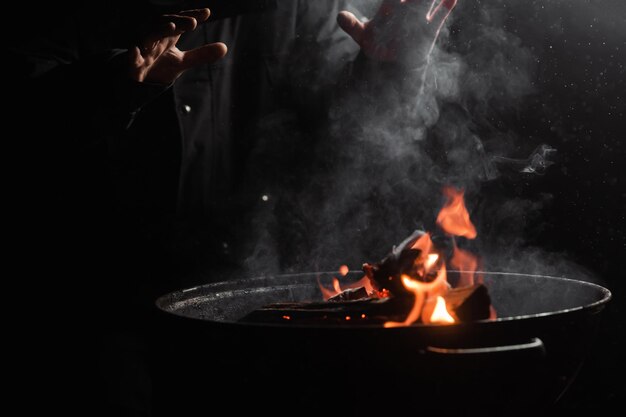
<point x="581" y="52"/>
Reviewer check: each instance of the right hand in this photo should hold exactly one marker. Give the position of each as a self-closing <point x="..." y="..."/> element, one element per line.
<point x="399" y="28"/>
<point x="156" y="58"/>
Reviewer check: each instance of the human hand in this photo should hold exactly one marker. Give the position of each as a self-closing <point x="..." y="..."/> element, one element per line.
<point x="156" y="58"/>
<point x="399" y="27"/>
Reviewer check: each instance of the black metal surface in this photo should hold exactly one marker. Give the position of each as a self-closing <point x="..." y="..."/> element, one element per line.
<point x="366" y="370"/>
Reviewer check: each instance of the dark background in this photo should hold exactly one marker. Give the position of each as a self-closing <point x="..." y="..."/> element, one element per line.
<point x="581" y="51"/>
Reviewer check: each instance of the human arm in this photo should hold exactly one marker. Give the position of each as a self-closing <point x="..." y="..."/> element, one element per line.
<point x="70" y="64"/>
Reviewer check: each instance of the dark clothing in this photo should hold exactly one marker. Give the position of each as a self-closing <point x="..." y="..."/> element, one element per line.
<point x="132" y="187"/>
<point x="251" y="121"/>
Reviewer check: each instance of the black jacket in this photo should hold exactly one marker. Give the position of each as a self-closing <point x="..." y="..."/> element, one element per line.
<point x="149" y="184"/>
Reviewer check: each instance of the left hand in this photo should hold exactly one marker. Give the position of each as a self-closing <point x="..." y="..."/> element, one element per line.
<point x="156" y="58"/>
<point x="398" y="27"/>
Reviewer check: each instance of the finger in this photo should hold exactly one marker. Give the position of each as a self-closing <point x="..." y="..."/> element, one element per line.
<point x="164" y="30"/>
<point x="206" y="54"/>
<point x="441" y="7"/>
<point x="387" y="6"/>
<point x="135" y="58"/>
<point x="136" y="64"/>
<point x="351" y="25"/>
<point x="184" y="23"/>
<point x="200" y="15"/>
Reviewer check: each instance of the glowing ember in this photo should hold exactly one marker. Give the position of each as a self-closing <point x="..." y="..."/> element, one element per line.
<point x="343" y="270"/>
<point x="348" y="318"/>
<point x="453" y="217"/>
<point x="440" y="313"/>
<point x="286" y="317"/>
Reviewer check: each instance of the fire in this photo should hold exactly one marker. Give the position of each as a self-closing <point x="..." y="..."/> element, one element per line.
<point x="440" y="313"/>
<point x="453" y="217"/>
<point x="339" y="288"/>
<point x="429" y="283"/>
<point x="466" y="264"/>
<point x="424" y="244"/>
<point x="336" y="285"/>
<point x="421" y="290"/>
<point x="431" y="260"/>
<point x="326" y="293"/>
<point x="427" y="258"/>
<point x="430" y="304"/>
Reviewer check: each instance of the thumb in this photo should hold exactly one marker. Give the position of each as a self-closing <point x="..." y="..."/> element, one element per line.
<point x="351" y="25"/>
<point x="206" y="54"/>
<point x="136" y="62"/>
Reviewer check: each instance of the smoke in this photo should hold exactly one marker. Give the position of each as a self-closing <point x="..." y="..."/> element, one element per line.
<point x="397" y="134"/>
<point x="398" y="140"/>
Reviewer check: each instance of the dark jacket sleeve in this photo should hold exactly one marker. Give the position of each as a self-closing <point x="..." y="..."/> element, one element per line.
<point x="95" y="87"/>
<point x="66" y="67"/>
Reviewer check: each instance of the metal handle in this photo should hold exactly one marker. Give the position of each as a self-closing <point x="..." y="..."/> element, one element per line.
<point x="535" y="345"/>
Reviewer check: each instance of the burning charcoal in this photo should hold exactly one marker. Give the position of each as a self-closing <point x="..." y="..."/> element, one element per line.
<point x="350" y="294"/>
<point x="401" y="260"/>
<point x="469" y="303"/>
<point x="367" y="311"/>
<point x="465" y="304"/>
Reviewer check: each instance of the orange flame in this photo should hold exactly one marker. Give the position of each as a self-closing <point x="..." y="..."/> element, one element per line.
<point x="363" y="282"/>
<point x="466" y="263"/>
<point x="429" y="303"/>
<point x="431" y="260"/>
<point x="421" y="290"/>
<point x="440" y="313"/>
<point x="453" y="217"/>
<point x="338" y="288"/>
<point x="326" y="292"/>
<point x="336" y="285"/>
<point x="427" y="259"/>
